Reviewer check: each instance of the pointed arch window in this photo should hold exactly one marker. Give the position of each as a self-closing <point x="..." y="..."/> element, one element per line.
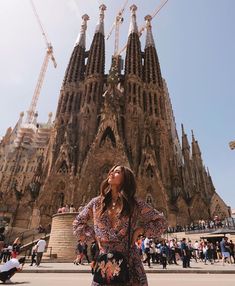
<point x="150" y="104"/>
<point x="147" y="141"/>
<point x="108" y="136"/>
<point x="61" y="199"/>
<point x="144" y="101"/>
<point x="149" y="200"/>
<point x="149" y="171"/>
<point x="63" y="168"/>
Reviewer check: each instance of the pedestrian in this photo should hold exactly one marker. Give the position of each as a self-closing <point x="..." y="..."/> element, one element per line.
<point x="16" y="247"/>
<point x="2" y="238"/>
<point x="79" y="253"/>
<point x="225" y="250"/>
<point x="85" y="246"/>
<point x="118" y="218"/>
<point x="184" y="253"/>
<point x="40" y="248"/>
<point x="164" y="251"/>
<point x="33" y="255"/>
<point x="231" y="249"/>
<point x="147" y="251"/>
<point x="8" y="269"/>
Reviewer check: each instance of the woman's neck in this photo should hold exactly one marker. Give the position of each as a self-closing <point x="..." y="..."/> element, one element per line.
<point x="115" y="193"/>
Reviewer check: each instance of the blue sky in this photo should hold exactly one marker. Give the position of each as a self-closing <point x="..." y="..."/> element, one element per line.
<point x="195" y="43"/>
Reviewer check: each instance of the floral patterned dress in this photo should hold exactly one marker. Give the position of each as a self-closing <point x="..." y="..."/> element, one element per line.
<point x="114" y="237"/>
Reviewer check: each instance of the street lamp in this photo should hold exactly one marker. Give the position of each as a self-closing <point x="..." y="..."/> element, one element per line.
<point x="232" y="145"/>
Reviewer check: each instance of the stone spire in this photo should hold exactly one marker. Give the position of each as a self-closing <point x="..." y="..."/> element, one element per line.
<point x="152" y="71"/>
<point x="133" y="61"/>
<point x="100" y="25"/>
<point x="196" y="153"/>
<point x="185" y="144"/>
<point x="149" y="36"/>
<point x="81" y="40"/>
<point x="96" y="58"/>
<point x="133" y="25"/>
<point x="49" y="122"/>
<point x="75" y="70"/>
<point x="16" y="129"/>
<point x="195" y="147"/>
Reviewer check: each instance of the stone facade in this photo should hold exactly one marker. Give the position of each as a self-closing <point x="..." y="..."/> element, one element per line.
<point x="124" y="117"/>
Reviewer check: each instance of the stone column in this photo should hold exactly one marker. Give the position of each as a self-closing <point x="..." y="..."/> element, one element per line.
<point x="62" y="241"/>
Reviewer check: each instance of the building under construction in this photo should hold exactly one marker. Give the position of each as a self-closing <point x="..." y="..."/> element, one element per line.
<point x="123" y="117"/>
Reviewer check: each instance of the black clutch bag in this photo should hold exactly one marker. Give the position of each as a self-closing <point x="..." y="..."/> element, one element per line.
<point x="111" y="268"/>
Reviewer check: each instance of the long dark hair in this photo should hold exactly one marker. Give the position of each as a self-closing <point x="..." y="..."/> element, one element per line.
<point x="127" y="192"/>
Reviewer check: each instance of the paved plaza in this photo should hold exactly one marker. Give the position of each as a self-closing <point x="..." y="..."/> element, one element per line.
<point x="199" y="267"/>
<point x="59" y="274"/>
<point x="155" y="279"/>
<point x="49" y="274"/>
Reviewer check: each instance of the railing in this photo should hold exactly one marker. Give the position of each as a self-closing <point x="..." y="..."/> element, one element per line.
<point x="204" y="230"/>
<point x="27" y="248"/>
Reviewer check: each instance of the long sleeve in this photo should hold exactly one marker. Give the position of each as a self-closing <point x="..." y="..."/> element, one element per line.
<point x="80" y="224"/>
<point x="153" y="222"/>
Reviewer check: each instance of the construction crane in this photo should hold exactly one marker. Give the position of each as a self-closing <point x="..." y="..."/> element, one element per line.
<point x="49" y="55"/>
<point x="118" y="21"/>
<point x="157" y="10"/>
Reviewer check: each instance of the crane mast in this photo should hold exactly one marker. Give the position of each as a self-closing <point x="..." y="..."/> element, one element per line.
<point x="49" y="55"/>
<point x="118" y="21"/>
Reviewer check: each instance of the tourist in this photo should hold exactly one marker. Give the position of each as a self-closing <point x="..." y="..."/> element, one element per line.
<point x="185" y="253"/>
<point x="147" y="251"/>
<point x="40" y="248"/>
<point x="72" y="209"/>
<point x="164" y="251"/>
<point x="33" y="255"/>
<point x="231" y="250"/>
<point x="115" y="213"/>
<point x="2" y="238"/>
<point x="79" y="253"/>
<point x="8" y="269"/>
<point x="16" y="247"/>
<point x="225" y="250"/>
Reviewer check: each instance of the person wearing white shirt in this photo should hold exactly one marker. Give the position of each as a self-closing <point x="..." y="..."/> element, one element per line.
<point x="147" y="251"/>
<point x="8" y="269"/>
<point x="41" y="245"/>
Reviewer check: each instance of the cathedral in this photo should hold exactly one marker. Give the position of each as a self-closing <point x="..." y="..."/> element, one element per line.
<point x="123" y="117"/>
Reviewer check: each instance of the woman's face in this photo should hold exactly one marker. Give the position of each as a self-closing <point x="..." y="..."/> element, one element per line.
<point x="115" y="177"/>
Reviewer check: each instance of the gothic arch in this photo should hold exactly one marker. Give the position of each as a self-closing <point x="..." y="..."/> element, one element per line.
<point x="147" y="141"/>
<point x="149" y="171"/>
<point x="108" y="135"/>
<point x="63" y="167"/>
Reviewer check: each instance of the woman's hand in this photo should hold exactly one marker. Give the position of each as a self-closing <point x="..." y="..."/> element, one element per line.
<point x="138" y="231"/>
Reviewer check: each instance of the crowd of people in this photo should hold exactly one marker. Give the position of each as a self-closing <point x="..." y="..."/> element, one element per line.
<point x="172" y="251"/>
<point x="201" y="224"/>
<point x="66" y="209"/>
<point x="168" y="252"/>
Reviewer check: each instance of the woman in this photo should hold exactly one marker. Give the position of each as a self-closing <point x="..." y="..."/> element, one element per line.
<point x="110" y="213"/>
<point x="16" y="248"/>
